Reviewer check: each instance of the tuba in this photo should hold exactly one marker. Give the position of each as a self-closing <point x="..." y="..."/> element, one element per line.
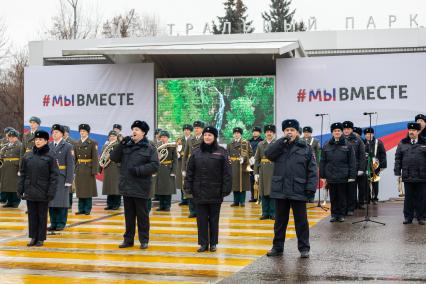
<point x="375" y="164"/>
<point x="163" y="152"/>
<point x="105" y="160"/>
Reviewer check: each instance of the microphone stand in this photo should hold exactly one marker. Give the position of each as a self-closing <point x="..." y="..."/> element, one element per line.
<point x="319" y="205"/>
<point x="369" y="185"/>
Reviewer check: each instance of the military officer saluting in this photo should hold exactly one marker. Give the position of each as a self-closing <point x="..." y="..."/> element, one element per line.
<point x="28" y="138"/>
<point x="192" y="144"/>
<point x="9" y="173"/>
<point x="263" y="171"/>
<point x="64" y="156"/>
<point x="187" y="129"/>
<point x="166" y="176"/>
<point x="410" y="165"/>
<point x="239" y="151"/>
<point x="86" y="153"/>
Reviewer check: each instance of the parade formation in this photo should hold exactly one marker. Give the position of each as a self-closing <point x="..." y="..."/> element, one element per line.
<point x="281" y="171"/>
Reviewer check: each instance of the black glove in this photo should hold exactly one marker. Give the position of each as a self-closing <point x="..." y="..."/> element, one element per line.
<point x="50" y="197"/>
<point x="310" y="194"/>
<point x="134" y="171"/>
<point x="126" y="140"/>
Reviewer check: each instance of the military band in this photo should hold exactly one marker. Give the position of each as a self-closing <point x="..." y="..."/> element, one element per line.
<point x="10" y="159"/>
<point x="181" y="145"/>
<point x="64" y="156"/>
<point x="375" y="149"/>
<point x="111" y="172"/>
<point x="86" y="154"/>
<point x="192" y="143"/>
<point x="263" y="172"/>
<point x="254" y="141"/>
<point x="166" y="175"/>
<point x="240" y="153"/>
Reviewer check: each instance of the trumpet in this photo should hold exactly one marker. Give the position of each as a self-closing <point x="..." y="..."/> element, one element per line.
<point x="163" y="152"/>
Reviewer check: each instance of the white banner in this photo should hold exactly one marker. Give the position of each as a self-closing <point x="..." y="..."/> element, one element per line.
<point x="99" y="95"/>
<point x="344" y="87"/>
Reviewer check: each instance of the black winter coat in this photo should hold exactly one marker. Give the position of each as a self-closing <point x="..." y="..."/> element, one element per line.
<point x="138" y="163"/>
<point x="208" y="175"/>
<point x="410" y="160"/>
<point x="295" y="170"/>
<point x="38" y="175"/>
<point x="338" y="163"/>
<point x="356" y="143"/>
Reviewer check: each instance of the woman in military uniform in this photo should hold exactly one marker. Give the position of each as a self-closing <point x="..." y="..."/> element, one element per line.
<point x="111" y="175"/>
<point x="239" y="151"/>
<point x="263" y="172"/>
<point x="9" y="173"/>
<point x="38" y="184"/>
<point x="166" y="184"/>
<point x="86" y="153"/>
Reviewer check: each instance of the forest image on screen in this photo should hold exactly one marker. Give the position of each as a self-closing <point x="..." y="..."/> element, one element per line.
<point x="222" y="102"/>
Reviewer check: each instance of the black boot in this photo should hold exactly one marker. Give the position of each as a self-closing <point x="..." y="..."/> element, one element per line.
<point x="203" y="248"/>
<point x="407" y="221"/>
<point x="39" y="244"/>
<point x="274" y="252"/>
<point x="212" y="248"/>
<point x="125" y="245"/>
<point x="32" y="243"/>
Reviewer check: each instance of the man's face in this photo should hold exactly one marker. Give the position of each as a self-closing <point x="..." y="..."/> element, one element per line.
<point x="337" y="133"/>
<point x="66" y="134"/>
<point x="117" y="130"/>
<point x="422" y="123"/>
<point x="369" y="136"/>
<point x="112" y="138"/>
<point x="164" y="139"/>
<point x="39" y="142"/>
<point x="198" y="131"/>
<point x="269" y="134"/>
<point x="208" y="138"/>
<point x="307" y="134"/>
<point x="237" y="135"/>
<point x="56" y="135"/>
<point x="84" y="134"/>
<point x="34" y="125"/>
<point x="347" y="131"/>
<point x="413" y="134"/>
<point x="137" y="134"/>
<point x="12" y="139"/>
<point x="187" y="132"/>
<point x="291" y="132"/>
<point x="256" y="134"/>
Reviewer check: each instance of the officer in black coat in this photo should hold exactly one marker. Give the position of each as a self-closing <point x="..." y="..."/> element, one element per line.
<point x="421" y="119"/>
<point x="139" y="161"/>
<point x="37" y="184"/>
<point x="209" y="180"/>
<point x="410" y="166"/>
<point x="338" y="168"/>
<point x="353" y="199"/>
<point x="293" y="184"/>
<point x="376" y="148"/>
<point x="254" y="141"/>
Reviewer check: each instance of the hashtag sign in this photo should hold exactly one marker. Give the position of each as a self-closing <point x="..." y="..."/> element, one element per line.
<point x="46" y="100"/>
<point x="301" y="94"/>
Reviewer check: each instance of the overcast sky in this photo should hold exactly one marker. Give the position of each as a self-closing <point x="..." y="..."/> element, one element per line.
<point x="27" y="19"/>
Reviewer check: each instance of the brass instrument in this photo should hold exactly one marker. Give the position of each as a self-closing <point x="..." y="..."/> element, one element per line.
<point x="375" y="170"/>
<point x="245" y="153"/>
<point x="163" y="152"/>
<point x="400" y="187"/>
<point x="105" y="160"/>
<point x="256" y="192"/>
